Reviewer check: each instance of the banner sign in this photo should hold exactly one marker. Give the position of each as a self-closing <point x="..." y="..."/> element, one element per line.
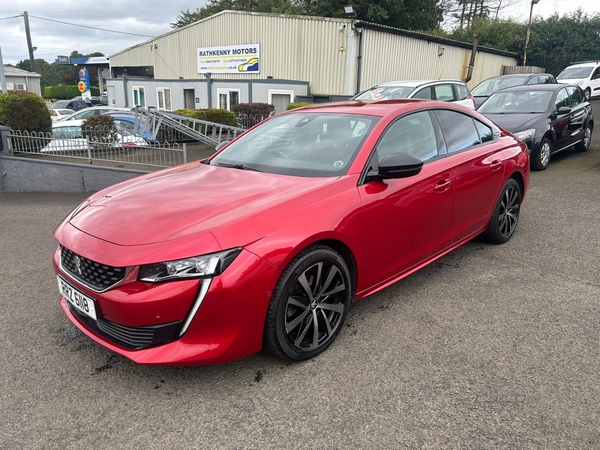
<point x="229" y="59"/>
<point x="61" y="60"/>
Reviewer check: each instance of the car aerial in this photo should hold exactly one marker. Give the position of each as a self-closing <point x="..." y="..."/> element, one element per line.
<point x="585" y="74"/>
<point x="93" y="111"/>
<point x="487" y="87"/>
<point x="75" y="105"/>
<point x="68" y="136"/>
<point x="267" y="243"/>
<point x="548" y="118"/>
<point x="57" y="114"/>
<point x="454" y="91"/>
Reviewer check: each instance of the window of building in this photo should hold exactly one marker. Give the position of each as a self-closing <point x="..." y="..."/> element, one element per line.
<point x="164" y="99"/>
<point x="139" y="96"/>
<point x="228" y="98"/>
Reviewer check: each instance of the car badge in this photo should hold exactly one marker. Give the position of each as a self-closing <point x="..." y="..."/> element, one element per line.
<point x="77" y="261"/>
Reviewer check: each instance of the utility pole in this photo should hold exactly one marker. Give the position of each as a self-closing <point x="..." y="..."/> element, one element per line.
<point x="29" y="46"/>
<point x="2" y="77"/>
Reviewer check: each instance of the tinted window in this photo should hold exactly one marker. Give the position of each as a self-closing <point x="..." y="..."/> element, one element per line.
<point x="444" y="93"/>
<point x="562" y="99"/>
<point x="459" y="130"/>
<point x="424" y="93"/>
<point x="486" y="134"/>
<point x="463" y="91"/>
<point x="413" y="134"/>
<point x="576" y="95"/>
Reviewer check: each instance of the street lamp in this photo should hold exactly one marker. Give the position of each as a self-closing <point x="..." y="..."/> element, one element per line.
<point x="533" y="2"/>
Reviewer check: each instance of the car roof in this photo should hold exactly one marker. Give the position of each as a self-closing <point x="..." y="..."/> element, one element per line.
<point x="535" y="87"/>
<point x="584" y="64"/>
<point x="416" y="83"/>
<point x="67" y="123"/>
<point x="379" y="108"/>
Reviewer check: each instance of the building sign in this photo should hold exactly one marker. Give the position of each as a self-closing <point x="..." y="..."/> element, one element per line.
<point x="229" y="59"/>
<point x="61" y="60"/>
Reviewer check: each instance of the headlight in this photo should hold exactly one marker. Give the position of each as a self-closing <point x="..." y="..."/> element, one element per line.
<point x="525" y="135"/>
<point x="197" y="267"/>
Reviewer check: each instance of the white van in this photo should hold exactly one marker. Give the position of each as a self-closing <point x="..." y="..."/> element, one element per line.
<point x="585" y="74"/>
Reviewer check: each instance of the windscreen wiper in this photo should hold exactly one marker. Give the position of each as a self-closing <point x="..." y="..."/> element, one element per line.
<point x="238" y="166"/>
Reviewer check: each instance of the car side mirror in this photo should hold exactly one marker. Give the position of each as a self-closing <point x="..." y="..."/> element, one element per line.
<point x="564" y="110"/>
<point x="221" y="145"/>
<point x="396" y="165"/>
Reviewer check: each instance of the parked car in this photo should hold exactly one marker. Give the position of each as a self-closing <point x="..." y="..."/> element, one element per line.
<point x="548" y="118"/>
<point x="75" y="105"/>
<point x="270" y="240"/>
<point x="487" y="87"/>
<point x="128" y="122"/>
<point x="586" y="75"/>
<point x="57" y="114"/>
<point x="442" y="90"/>
<point x="67" y="136"/>
<point x="93" y="111"/>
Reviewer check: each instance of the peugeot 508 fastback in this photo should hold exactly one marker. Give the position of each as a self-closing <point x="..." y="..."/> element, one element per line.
<point x="267" y="243"/>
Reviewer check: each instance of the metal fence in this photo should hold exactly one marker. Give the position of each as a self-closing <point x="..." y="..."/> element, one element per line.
<point x="98" y="144"/>
<point x="246" y="121"/>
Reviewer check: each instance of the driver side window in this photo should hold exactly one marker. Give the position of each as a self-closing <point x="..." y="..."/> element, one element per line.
<point x="413" y="134"/>
<point x="562" y="99"/>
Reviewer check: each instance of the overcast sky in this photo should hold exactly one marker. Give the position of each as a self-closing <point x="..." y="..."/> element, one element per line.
<point x="142" y="17"/>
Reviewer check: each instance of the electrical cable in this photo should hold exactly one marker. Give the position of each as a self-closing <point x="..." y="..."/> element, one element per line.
<point x="90" y="27"/>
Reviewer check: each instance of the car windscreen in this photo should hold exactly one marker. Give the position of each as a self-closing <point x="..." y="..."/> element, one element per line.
<point x="311" y="144"/>
<point x="574" y="73"/>
<point x="488" y="87"/>
<point x="385" y="93"/>
<point x="516" y="102"/>
<point x="73" y="132"/>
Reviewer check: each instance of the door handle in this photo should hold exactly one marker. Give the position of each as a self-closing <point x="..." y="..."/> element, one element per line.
<point x="496" y="164"/>
<point x="442" y="185"/>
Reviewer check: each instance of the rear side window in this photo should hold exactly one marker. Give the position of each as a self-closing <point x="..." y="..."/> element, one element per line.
<point x="459" y="130"/>
<point x="576" y="95"/>
<point x="486" y="134"/>
<point x="444" y="93"/>
<point x="462" y="91"/>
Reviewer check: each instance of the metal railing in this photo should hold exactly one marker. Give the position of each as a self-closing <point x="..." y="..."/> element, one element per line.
<point x="97" y="145"/>
<point x="246" y="121"/>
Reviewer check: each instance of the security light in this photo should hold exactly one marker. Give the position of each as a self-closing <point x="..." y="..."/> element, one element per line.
<point x="349" y="10"/>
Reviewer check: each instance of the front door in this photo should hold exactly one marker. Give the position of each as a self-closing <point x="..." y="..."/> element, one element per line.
<point x="560" y="121"/>
<point x="188" y="99"/>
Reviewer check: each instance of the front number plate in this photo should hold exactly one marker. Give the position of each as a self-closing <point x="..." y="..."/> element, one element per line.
<point x="82" y="302"/>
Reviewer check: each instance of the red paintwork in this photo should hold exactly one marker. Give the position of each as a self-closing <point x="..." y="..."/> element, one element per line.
<point x="391" y="229"/>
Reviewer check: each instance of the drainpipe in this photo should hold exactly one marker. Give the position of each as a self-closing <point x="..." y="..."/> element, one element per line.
<point x="472" y="61"/>
<point x="209" y="89"/>
<point x="125" y="89"/>
<point x="359" y="58"/>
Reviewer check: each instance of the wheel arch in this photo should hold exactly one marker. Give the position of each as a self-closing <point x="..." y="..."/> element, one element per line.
<point x="520" y="181"/>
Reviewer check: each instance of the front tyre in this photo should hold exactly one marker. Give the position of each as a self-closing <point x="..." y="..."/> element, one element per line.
<point x="588" y="94"/>
<point x="309" y="304"/>
<point x="541" y="159"/>
<point x="506" y="214"/>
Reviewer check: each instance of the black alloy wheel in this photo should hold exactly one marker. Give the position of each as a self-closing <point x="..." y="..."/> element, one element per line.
<point x="506" y="214"/>
<point x="309" y="304"/>
<point x="541" y="158"/>
<point x="584" y="144"/>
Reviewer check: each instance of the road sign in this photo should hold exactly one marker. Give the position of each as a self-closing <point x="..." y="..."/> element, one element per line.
<point x="81" y="86"/>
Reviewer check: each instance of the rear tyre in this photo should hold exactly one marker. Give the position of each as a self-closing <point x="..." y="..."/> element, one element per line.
<point x="506" y="214"/>
<point x="584" y="144"/>
<point x="309" y="304"/>
<point x="541" y="158"/>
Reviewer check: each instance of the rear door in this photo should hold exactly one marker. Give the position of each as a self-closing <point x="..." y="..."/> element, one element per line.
<point x="477" y="162"/>
<point x="579" y="113"/>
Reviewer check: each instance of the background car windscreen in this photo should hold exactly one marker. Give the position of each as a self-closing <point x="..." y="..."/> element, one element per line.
<point x="488" y="87"/>
<point x="516" y="102"/>
<point x="575" y="73"/>
<point x="385" y="93"/>
<point x="301" y="144"/>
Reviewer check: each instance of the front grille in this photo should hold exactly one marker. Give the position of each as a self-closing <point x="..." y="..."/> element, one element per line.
<point x="134" y="338"/>
<point x="96" y="276"/>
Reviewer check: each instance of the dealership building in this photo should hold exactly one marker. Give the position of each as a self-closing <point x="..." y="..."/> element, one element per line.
<point x="241" y="57"/>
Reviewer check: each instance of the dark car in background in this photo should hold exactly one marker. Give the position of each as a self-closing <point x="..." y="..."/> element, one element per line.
<point x="75" y="105"/>
<point x="548" y="118"/>
<point x="487" y="87"/>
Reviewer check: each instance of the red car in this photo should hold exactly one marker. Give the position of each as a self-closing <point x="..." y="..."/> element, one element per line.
<point x="268" y="242"/>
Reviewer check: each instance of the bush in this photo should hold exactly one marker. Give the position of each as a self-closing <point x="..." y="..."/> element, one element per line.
<point x="24" y="111"/>
<point x="67" y="92"/>
<point x="222" y="116"/>
<point x="100" y="129"/>
<point x="259" y="109"/>
<point x="295" y="105"/>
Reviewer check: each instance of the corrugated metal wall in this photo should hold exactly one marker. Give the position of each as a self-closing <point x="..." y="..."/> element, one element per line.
<point x="312" y="49"/>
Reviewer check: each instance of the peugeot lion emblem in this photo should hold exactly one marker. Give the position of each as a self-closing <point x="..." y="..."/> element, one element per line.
<point x="77" y="261"/>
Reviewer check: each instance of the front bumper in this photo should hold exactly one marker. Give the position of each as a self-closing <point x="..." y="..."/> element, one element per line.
<point x="180" y="322"/>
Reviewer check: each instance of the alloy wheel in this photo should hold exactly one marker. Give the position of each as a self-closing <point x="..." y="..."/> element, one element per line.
<point x="587" y="137"/>
<point x="315" y="306"/>
<point x="509" y="211"/>
<point x="545" y="153"/>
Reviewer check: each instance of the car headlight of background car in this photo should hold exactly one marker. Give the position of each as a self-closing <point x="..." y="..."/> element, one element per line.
<point x="526" y="135"/>
<point x="196" y="267"/>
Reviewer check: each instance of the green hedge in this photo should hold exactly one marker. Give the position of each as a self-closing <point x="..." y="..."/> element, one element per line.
<point x="24" y="111"/>
<point x="295" y="105"/>
<point x="66" y="92"/>
<point x="222" y="116"/>
<point x="260" y="109"/>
